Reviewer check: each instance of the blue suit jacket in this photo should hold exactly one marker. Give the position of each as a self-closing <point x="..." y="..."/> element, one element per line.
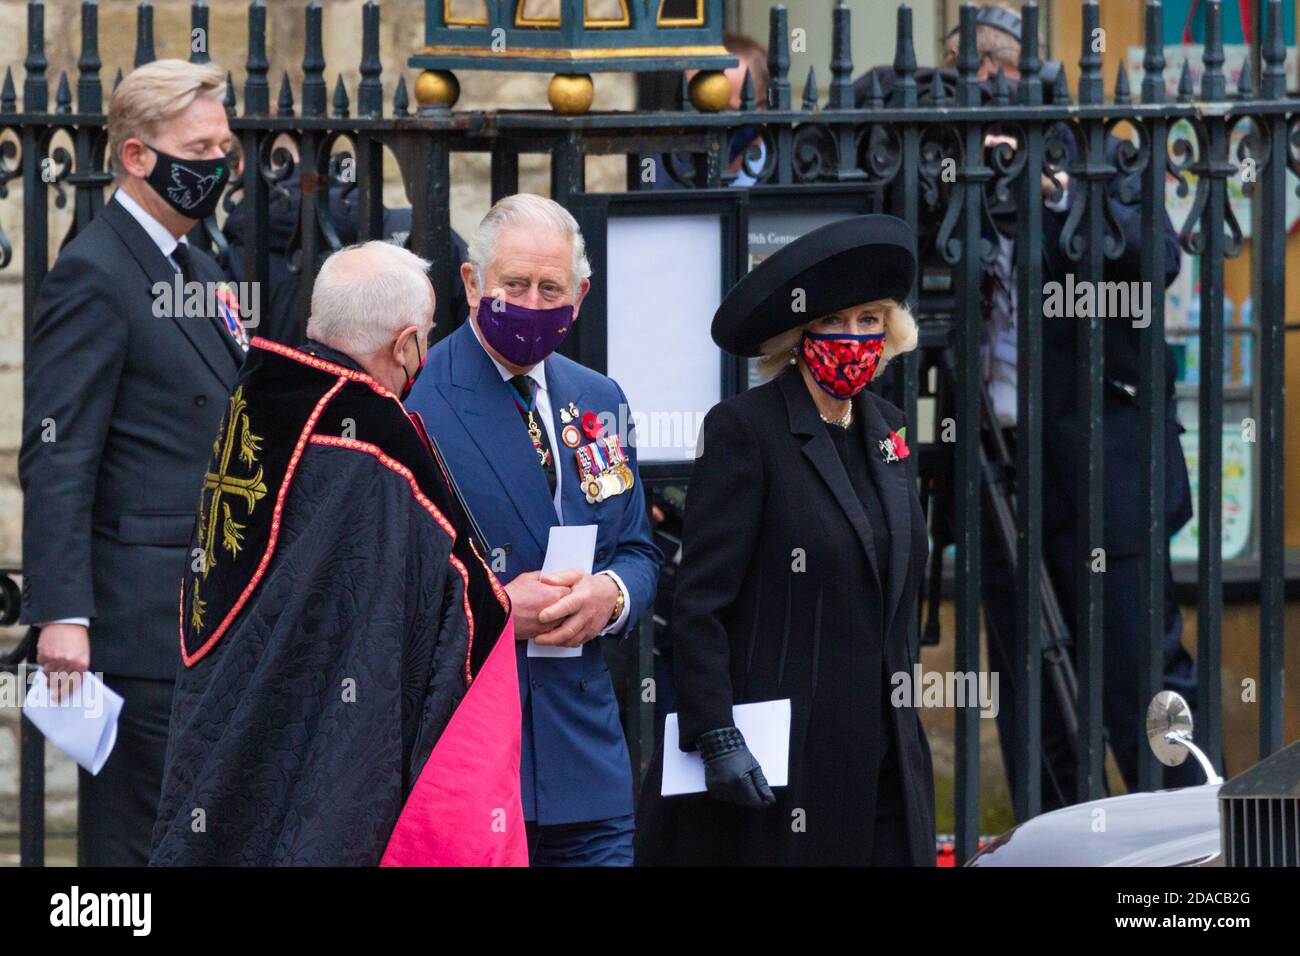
<point x="574" y="763"/>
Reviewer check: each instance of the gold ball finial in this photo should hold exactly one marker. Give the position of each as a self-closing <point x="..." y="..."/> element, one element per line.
<point x="710" y="91"/>
<point x="571" y="93"/>
<point x="437" y="88"/>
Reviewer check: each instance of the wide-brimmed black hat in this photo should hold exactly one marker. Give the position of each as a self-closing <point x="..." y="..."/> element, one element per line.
<point x="838" y="265"/>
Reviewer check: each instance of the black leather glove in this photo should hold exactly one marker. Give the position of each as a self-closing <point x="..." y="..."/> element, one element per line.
<point x="731" y="773"/>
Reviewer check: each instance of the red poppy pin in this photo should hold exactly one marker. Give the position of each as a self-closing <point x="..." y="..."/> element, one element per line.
<point x="894" y="448"/>
<point x="591" y="425"/>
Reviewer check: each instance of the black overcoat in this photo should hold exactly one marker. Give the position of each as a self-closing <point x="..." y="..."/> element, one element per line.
<point x="778" y="596"/>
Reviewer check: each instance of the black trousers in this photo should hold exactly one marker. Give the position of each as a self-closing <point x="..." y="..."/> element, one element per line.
<point x="1122" y="711"/>
<point x="116" y="809"/>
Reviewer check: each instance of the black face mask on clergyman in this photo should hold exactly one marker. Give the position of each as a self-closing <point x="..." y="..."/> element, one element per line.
<point x="190" y="186"/>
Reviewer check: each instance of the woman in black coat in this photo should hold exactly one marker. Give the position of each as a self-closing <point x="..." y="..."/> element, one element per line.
<point x="803" y="551"/>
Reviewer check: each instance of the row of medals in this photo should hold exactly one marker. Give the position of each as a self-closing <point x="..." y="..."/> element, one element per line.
<point x="615" y="479"/>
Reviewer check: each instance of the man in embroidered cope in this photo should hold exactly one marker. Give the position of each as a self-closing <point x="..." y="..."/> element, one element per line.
<point x="347" y="691"/>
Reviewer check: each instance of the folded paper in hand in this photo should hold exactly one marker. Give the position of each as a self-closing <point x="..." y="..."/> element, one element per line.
<point x="766" y="726"/>
<point x="83" y="725"/>
<point x="570" y="547"/>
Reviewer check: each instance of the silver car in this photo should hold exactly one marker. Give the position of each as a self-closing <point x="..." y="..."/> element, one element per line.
<point x="1252" y="820"/>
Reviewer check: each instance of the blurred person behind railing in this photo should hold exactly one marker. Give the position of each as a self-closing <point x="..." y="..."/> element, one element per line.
<point x="282" y="323"/>
<point x="746" y="153"/>
<point x="998" y="45"/>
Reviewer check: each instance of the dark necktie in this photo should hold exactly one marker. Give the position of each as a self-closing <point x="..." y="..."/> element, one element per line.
<point x="181" y="256"/>
<point x="525" y="396"/>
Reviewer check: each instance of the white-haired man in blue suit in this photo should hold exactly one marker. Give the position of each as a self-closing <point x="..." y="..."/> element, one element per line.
<point x="524" y="433"/>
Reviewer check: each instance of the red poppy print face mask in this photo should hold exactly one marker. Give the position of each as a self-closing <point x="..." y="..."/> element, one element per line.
<point x="842" y="365"/>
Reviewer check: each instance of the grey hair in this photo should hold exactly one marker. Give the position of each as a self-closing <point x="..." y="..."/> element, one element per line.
<point x="365" y="294"/>
<point x="526" y="209"/>
<point x="900" y="337"/>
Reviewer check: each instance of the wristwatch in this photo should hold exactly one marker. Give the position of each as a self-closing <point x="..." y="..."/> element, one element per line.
<point x="618" y="606"/>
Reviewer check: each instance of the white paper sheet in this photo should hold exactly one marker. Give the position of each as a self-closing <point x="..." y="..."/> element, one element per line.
<point x="83" y="725"/>
<point x="570" y="547"/>
<point x="766" y="726"/>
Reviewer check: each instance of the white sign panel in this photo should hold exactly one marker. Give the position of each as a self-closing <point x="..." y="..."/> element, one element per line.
<point x="665" y="282"/>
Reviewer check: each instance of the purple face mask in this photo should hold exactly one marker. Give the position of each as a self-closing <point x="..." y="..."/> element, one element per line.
<point x="523" y="336"/>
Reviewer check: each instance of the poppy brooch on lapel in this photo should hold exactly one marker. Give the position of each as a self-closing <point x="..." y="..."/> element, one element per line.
<point x="894" y="448"/>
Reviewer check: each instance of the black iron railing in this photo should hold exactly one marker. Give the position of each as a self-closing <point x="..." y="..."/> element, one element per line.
<point x="921" y="149"/>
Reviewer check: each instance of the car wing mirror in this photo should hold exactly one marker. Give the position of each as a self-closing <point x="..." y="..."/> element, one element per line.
<point x="1169" y="732"/>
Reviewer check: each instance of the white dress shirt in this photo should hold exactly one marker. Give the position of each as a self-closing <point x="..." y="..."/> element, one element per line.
<point x="163" y="239"/>
<point x="543" y="407"/>
<point x="166" y="243"/>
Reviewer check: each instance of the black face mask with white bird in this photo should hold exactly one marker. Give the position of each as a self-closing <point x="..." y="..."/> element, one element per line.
<point x="190" y="186"/>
